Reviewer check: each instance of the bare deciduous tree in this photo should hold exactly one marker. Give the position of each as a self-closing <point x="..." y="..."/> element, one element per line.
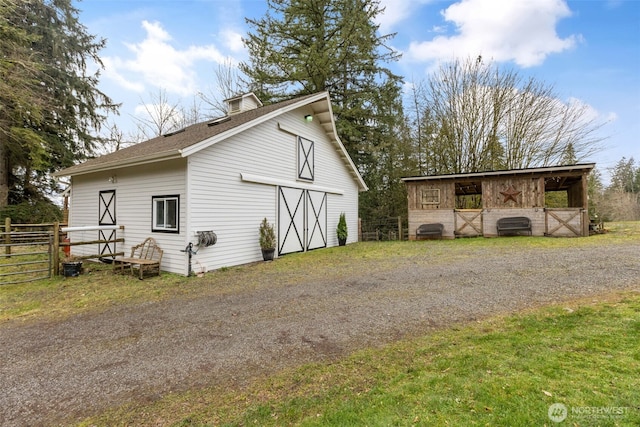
<point x="488" y="118"/>
<point x="114" y="139"/>
<point x="228" y="85"/>
<point x="160" y="116"/>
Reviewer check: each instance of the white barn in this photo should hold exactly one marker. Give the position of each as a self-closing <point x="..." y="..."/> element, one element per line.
<point x="220" y="178"/>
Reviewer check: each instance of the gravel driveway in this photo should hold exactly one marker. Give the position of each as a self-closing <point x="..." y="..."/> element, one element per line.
<point x="57" y="371"/>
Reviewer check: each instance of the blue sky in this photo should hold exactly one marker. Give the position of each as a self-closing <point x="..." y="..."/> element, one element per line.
<point x="588" y="50"/>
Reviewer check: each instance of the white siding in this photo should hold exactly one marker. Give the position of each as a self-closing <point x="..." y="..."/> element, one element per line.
<point x="134" y="189"/>
<point x="221" y="202"/>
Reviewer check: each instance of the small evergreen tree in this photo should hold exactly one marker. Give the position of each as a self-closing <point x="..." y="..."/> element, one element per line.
<point x="267" y="235"/>
<point x="342" y="231"/>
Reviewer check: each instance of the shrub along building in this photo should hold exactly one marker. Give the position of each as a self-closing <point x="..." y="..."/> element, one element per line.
<point x="517" y="193"/>
<point x="202" y="192"/>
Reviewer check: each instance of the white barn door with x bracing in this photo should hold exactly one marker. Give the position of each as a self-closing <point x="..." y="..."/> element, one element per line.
<point x="107" y="216"/>
<point x="302" y="220"/>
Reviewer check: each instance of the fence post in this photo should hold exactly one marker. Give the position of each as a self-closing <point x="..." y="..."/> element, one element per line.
<point x="56" y="249"/>
<point x="7" y="236"/>
<point x="400" y="236"/>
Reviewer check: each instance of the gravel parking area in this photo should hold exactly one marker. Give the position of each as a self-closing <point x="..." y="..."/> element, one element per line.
<point x="55" y="372"/>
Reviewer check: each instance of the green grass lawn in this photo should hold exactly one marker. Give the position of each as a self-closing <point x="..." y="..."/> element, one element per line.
<point x="505" y="371"/>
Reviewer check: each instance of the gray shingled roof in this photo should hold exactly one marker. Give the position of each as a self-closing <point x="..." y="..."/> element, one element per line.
<point x="172" y="143"/>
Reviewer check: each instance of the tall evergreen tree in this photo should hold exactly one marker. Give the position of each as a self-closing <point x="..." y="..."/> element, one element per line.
<point x="624" y="176"/>
<point x="52" y="112"/>
<point x="301" y="47"/>
<point x="18" y="68"/>
<point x="621" y="199"/>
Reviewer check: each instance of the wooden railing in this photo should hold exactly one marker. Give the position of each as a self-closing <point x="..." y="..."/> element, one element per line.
<point x="54" y="236"/>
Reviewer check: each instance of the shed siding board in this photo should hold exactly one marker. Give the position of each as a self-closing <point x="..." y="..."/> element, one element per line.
<point x="490" y="219"/>
<point x="577" y="194"/>
<point x="468" y="222"/>
<point x="531" y="193"/>
<point x="134" y="189"/>
<point x="561" y="222"/>
<point x="447" y="195"/>
<point x="445" y="217"/>
<point x="221" y="202"/>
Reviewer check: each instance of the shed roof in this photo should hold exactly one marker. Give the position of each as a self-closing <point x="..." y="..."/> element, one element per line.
<point x="194" y="138"/>
<point x="557" y="178"/>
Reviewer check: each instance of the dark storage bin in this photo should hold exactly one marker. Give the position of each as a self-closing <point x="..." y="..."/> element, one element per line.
<point x="71" y="269"/>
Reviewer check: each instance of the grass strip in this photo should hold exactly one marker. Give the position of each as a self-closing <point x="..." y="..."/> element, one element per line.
<point x="503" y="371"/>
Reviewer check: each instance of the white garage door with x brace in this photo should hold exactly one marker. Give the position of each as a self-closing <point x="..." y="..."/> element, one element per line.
<point x="302" y="220"/>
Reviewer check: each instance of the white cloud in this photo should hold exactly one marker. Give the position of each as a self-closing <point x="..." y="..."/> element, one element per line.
<point x="590" y="113"/>
<point x="151" y="111"/>
<point x="396" y="11"/>
<point x="611" y="117"/>
<point x="158" y="63"/>
<point x="523" y="31"/>
<point x="111" y="66"/>
<point x="232" y="40"/>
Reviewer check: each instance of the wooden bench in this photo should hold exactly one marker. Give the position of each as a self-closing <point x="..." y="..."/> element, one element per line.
<point x="430" y="230"/>
<point x="147" y="256"/>
<point x="514" y="224"/>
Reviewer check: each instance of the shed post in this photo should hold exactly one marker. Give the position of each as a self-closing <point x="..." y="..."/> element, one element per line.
<point x="55" y="260"/>
<point x="7" y="236"/>
<point x="585" y="204"/>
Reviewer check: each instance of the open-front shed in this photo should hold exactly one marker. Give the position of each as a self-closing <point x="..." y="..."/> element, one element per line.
<point x="496" y="195"/>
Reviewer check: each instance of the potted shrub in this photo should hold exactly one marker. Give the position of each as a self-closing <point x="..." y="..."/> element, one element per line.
<point x="341" y="230"/>
<point x="267" y="240"/>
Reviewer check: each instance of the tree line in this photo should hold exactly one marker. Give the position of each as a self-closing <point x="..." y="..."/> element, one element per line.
<point x="469" y="115"/>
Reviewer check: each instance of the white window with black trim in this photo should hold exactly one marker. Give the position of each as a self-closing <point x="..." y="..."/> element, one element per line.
<point x="306" y="159"/>
<point x="166" y="216"/>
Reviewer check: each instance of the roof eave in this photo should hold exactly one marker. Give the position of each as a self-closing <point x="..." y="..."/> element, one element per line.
<point x="333" y="135"/>
<point x="536" y="170"/>
<point x="119" y="164"/>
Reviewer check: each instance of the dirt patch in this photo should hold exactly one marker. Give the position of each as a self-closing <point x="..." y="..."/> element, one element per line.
<point x="57" y="371"/>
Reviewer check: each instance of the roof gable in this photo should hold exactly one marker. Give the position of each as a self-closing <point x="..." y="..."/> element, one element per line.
<point x="194" y="138"/>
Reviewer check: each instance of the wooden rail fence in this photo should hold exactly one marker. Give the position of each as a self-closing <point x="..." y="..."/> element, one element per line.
<point x="27" y="253"/>
<point x="32" y="251"/>
<point x="382" y="229"/>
